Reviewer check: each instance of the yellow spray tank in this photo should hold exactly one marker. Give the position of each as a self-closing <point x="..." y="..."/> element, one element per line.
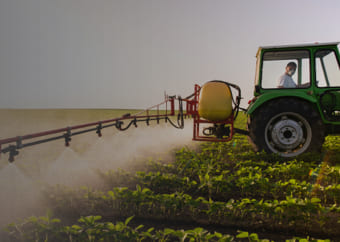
<point x="215" y="102"/>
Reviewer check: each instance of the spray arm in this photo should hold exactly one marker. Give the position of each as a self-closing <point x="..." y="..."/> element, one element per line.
<point x="155" y="113"/>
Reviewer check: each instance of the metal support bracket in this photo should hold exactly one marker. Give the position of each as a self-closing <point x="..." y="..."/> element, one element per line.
<point x="19" y="142"/>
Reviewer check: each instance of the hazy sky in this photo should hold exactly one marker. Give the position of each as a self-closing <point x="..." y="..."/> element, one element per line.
<point x="126" y="53"/>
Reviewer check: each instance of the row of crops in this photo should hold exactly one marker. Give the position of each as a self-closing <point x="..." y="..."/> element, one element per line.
<point x="89" y="229"/>
<point x="212" y="193"/>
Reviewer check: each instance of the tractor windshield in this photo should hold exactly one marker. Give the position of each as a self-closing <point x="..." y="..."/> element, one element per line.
<point x="286" y="69"/>
<point x="327" y="68"/>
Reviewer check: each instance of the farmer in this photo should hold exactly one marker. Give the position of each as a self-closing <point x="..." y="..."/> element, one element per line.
<point x="286" y="80"/>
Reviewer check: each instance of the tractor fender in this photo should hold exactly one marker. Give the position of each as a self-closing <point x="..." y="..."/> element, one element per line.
<point x="267" y="97"/>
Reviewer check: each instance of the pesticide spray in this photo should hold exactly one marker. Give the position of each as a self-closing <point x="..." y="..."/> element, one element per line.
<point x="210" y="107"/>
<point x="21" y="182"/>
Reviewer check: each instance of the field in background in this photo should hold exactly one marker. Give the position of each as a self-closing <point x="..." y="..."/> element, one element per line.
<point x="15" y="122"/>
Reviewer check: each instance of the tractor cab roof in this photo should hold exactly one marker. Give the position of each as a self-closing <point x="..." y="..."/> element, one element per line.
<point x="287" y="54"/>
<point x="300" y="45"/>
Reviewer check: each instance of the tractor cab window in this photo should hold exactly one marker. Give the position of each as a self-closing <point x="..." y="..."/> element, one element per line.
<point x="327" y="69"/>
<point x="286" y="69"/>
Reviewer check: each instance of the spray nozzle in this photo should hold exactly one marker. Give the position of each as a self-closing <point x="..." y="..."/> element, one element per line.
<point x="99" y="130"/>
<point x="67" y="137"/>
<point x="12" y="152"/>
<point x="119" y="125"/>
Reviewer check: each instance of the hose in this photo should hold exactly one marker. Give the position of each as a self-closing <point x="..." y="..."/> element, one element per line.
<point x="180" y="116"/>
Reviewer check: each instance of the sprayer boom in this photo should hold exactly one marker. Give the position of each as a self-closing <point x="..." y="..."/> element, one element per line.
<point x="210" y="104"/>
<point x="159" y="112"/>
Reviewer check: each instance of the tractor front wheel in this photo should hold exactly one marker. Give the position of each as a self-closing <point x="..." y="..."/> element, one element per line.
<point x="288" y="127"/>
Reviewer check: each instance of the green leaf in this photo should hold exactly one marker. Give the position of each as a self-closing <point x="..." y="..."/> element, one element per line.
<point x="110" y="226"/>
<point x="168" y="231"/>
<point x="180" y="234"/>
<point x="33" y="219"/>
<point x="219" y="178"/>
<point x="139" y="227"/>
<point x="128" y="220"/>
<point x="315" y="200"/>
<point x="111" y="194"/>
<point x="198" y="230"/>
<point x="77" y="227"/>
<point x="242" y="235"/>
<point x="218" y="235"/>
<point x="303" y="240"/>
<point x="254" y="237"/>
<point x="138" y="188"/>
<point x="145" y="190"/>
<point x="55" y="220"/>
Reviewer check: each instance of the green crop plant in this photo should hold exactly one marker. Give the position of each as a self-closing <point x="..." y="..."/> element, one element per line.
<point x="215" y="185"/>
<point x="92" y="228"/>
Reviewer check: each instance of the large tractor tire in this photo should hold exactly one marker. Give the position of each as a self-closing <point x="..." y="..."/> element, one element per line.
<point x="288" y="127"/>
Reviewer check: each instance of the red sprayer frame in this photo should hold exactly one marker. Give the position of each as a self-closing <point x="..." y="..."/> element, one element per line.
<point x="192" y="109"/>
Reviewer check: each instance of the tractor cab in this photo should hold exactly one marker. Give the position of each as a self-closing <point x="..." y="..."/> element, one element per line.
<point x="316" y="79"/>
<point x="293" y="111"/>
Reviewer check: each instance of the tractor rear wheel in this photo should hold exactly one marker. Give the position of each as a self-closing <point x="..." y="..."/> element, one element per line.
<point x="288" y="127"/>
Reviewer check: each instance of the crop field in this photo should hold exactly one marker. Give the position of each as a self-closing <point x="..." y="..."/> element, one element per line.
<point x="206" y="192"/>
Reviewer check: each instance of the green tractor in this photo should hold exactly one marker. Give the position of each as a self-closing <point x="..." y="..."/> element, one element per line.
<point x="290" y="113"/>
<point x="292" y="118"/>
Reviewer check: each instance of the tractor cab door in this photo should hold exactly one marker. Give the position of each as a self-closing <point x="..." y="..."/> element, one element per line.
<point x="327" y="73"/>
